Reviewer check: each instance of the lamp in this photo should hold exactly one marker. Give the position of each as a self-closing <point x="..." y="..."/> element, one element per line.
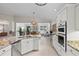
<point x="34" y="22"/>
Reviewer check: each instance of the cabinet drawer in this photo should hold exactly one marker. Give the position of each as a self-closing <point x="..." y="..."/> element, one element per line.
<point x="74" y="52"/>
<point x="2" y="51"/>
<point x="7" y="53"/>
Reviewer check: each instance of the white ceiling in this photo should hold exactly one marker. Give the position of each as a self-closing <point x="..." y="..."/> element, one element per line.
<point x="26" y="9"/>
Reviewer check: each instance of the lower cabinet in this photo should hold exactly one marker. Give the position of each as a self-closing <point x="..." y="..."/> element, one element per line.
<point x="6" y="51"/>
<point x="72" y="52"/>
<point x="27" y="45"/>
<point x="36" y="43"/>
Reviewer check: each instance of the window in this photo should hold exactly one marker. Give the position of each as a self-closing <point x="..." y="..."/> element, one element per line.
<point x="1" y="28"/>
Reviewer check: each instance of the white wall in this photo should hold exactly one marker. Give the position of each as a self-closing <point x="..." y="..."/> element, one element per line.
<point x="27" y="19"/>
<point x="10" y="20"/>
<point x="17" y="19"/>
<point x="73" y="36"/>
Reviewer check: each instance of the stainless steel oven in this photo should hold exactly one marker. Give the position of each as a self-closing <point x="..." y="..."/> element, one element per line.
<point x="62" y="35"/>
<point x="62" y="28"/>
<point x="61" y="39"/>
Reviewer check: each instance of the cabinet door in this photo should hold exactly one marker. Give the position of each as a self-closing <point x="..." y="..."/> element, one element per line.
<point x="62" y="17"/>
<point x="68" y="53"/>
<point x="70" y="19"/>
<point x="54" y="40"/>
<point x="72" y="52"/>
<point x="18" y="46"/>
<point x="36" y="43"/>
<point x="6" y="51"/>
<point x="26" y="45"/>
<point x="77" y="18"/>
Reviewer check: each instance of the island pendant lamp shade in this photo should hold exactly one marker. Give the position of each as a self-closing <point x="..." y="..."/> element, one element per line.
<point x="34" y="22"/>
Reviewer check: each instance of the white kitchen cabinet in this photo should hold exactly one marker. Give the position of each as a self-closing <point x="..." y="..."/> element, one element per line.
<point x="71" y="18"/>
<point x="67" y="14"/>
<point x="59" y="49"/>
<point x="72" y="52"/>
<point x="77" y="18"/>
<point x="27" y="44"/>
<point x="36" y="43"/>
<point x="6" y="51"/>
<point x="68" y="53"/>
<point x="18" y="46"/>
<point x="54" y="40"/>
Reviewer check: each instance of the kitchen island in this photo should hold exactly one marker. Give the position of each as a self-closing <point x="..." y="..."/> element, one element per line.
<point x="27" y="44"/>
<point x="23" y="44"/>
<point x="5" y="48"/>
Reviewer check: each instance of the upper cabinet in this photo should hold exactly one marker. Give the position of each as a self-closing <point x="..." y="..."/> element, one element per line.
<point x="67" y="13"/>
<point x="70" y="18"/>
<point x="77" y="17"/>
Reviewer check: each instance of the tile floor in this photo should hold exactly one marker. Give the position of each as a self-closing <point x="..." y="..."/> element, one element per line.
<point x="45" y="49"/>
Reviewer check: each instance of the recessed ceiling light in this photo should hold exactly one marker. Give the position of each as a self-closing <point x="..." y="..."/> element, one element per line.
<point x="55" y="9"/>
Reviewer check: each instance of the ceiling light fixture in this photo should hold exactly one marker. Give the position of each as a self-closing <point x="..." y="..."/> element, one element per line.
<point x="55" y="9"/>
<point x="41" y="4"/>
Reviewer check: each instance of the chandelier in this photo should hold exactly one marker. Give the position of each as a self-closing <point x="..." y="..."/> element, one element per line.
<point x="41" y="4"/>
<point x="34" y="22"/>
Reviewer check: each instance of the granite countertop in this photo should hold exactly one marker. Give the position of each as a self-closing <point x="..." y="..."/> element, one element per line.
<point x="9" y="41"/>
<point x="1" y="47"/>
<point x="14" y="39"/>
<point x="74" y="44"/>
